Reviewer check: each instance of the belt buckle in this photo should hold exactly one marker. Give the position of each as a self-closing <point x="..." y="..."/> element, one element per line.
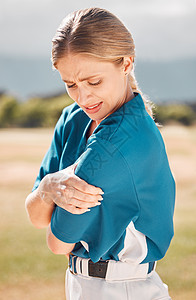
<point x="98" y="269"/>
<point x="72" y="264"/>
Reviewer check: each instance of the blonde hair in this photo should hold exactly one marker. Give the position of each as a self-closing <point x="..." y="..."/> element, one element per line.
<point x="99" y="33"/>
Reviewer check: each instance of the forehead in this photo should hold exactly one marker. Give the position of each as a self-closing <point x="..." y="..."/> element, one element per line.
<point x="72" y="67"/>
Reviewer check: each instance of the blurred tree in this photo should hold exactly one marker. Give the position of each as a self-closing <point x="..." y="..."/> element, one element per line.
<point x="31" y="113"/>
<point x="8" y="110"/>
<point x="176" y="112"/>
<point x="54" y="107"/>
<point x="45" y="112"/>
<point x="38" y="112"/>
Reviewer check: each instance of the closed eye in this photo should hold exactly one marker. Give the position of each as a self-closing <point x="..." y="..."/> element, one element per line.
<point x="96" y="83"/>
<point x="91" y="83"/>
<point x="70" y="86"/>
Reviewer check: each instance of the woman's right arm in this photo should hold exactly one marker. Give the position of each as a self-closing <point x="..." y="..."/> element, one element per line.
<point x="40" y="215"/>
<point x="38" y="210"/>
<point x="64" y="189"/>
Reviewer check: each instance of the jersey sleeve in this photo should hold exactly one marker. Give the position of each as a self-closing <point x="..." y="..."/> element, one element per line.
<point x="101" y="165"/>
<point x="50" y="162"/>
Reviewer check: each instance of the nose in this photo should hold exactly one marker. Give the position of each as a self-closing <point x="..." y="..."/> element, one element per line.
<point x="83" y="96"/>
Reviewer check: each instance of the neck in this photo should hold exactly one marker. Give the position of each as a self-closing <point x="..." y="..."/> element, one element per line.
<point x="128" y="96"/>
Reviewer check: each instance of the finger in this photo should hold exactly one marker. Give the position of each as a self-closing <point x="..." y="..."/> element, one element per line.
<point x="79" y="211"/>
<point x="75" y="210"/>
<point x="81" y="204"/>
<point x="63" y="201"/>
<point x="83" y="186"/>
<point x="70" y="192"/>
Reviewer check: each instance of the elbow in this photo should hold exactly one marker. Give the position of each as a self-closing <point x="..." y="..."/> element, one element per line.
<point x="29" y="214"/>
<point x="35" y="215"/>
<point x="55" y="249"/>
<point x="52" y="247"/>
<point x="38" y="225"/>
<point x="52" y="244"/>
<point x="56" y="246"/>
<point x="36" y="222"/>
<point x="28" y="204"/>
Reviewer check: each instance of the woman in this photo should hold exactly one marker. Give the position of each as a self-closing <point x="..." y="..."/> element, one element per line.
<point x="107" y="147"/>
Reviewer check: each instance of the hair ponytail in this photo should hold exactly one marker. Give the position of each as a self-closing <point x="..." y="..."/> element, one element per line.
<point x="135" y="88"/>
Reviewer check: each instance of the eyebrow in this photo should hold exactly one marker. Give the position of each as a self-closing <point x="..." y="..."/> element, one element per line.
<point x="82" y="79"/>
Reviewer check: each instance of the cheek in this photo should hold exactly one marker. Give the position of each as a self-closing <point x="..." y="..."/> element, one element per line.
<point x="111" y="90"/>
<point x="72" y="94"/>
<point x="106" y="90"/>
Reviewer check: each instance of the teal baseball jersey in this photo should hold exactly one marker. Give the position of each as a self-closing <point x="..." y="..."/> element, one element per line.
<point x="126" y="157"/>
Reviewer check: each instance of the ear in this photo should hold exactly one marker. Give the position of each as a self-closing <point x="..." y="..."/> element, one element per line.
<point x="127" y="65"/>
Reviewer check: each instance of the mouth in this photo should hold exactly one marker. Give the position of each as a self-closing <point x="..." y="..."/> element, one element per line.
<point x="93" y="108"/>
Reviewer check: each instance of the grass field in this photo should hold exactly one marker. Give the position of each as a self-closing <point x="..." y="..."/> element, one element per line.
<point x="28" y="270"/>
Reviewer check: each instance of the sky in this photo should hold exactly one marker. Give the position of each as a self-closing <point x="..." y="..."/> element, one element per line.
<point x="162" y="29"/>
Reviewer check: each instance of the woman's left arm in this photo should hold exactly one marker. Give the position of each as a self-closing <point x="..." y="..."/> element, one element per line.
<point x="57" y="246"/>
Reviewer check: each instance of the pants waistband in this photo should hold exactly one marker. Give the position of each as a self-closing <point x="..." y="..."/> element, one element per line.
<point x="110" y="270"/>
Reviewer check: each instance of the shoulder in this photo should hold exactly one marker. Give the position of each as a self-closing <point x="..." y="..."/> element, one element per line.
<point x="130" y="130"/>
<point x="72" y="115"/>
<point x="71" y="112"/>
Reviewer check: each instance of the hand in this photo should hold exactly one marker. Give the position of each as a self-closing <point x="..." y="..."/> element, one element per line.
<point x="68" y="191"/>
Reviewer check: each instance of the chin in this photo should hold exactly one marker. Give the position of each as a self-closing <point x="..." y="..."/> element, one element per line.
<point x="97" y="117"/>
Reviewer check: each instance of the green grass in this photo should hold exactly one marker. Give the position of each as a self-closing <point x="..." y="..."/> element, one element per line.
<point x="28" y="270"/>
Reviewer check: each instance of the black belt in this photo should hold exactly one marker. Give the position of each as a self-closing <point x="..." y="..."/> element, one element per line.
<point x="97" y="269"/>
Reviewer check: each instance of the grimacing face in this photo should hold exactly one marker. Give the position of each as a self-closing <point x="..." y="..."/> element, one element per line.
<point x="98" y="87"/>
